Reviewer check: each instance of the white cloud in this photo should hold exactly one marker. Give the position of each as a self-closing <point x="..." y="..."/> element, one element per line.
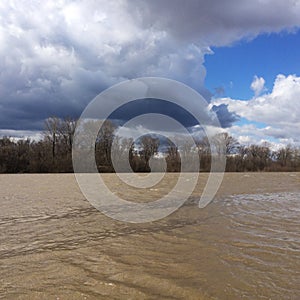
<point x="279" y="110"/>
<point x="258" y="85"/>
<point x="252" y="135"/>
<point x="16" y="135"/>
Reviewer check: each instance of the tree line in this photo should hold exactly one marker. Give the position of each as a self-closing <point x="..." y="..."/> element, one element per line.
<point x="53" y="153"/>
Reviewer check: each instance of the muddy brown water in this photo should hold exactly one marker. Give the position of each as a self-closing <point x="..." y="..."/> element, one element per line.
<point x="243" y="245"/>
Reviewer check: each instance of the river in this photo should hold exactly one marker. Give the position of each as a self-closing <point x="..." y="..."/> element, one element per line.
<point x="243" y="245"/>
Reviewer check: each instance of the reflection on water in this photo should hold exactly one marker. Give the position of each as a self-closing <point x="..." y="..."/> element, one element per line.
<point x="54" y="245"/>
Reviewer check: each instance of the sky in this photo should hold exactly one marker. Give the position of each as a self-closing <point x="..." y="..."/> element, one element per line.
<point x="242" y="56"/>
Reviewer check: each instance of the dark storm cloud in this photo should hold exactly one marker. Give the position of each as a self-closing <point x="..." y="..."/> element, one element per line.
<point x="217" y="22"/>
<point x="225" y="117"/>
<point x="145" y="106"/>
<point x="55" y="56"/>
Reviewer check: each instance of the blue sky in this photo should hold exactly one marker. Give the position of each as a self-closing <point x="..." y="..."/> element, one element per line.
<point x="56" y="56"/>
<point x="233" y="67"/>
<point x="231" y="71"/>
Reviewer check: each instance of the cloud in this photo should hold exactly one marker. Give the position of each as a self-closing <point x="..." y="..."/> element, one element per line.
<point x="225" y="117"/>
<point x="216" y="22"/>
<point x="279" y="110"/>
<point x="55" y="56"/>
<point x="21" y="134"/>
<point x="250" y="134"/>
<point x="258" y="85"/>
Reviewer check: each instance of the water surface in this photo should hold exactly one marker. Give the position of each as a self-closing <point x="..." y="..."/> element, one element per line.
<point x="244" y="245"/>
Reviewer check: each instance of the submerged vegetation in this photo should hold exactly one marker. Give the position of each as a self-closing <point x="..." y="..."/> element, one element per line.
<point x="53" y="153"/>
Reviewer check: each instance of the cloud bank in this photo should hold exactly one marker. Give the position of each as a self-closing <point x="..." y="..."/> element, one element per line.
<point x="55" y="56"/>
<point x="277" y="112"/>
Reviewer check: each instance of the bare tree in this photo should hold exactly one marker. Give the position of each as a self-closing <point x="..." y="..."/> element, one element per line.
<point x="104" y="144"/>
<point x="52" y="132"/>
<point x="150" y="147"/>
<point x="67" y="130"/>
<point x="284" y="155"/>
<point x="173" y="158"/>
<point x="225" y="143"/>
